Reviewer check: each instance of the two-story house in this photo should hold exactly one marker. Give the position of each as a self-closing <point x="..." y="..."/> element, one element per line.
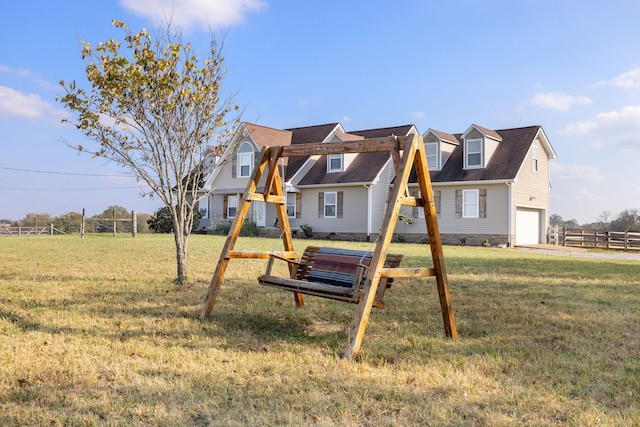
<point x="488" y="185"/>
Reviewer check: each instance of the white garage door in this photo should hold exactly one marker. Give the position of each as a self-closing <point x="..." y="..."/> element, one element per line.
<point x="527" y="227"/>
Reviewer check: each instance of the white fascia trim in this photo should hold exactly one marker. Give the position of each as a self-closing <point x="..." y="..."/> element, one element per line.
<point x="303" y="167"/>
<point x="542" y="136"/>
<point x="334" y="133"/>
<point x="343" y="184"/>
<point x="460" y="183"/>
<point x="376" y="180"/>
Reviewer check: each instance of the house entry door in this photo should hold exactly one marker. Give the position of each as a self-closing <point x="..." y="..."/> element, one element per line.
<point x="260" y="213"/>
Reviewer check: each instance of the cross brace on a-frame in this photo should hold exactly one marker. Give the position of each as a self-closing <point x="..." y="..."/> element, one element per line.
<point x="408" y="153"/>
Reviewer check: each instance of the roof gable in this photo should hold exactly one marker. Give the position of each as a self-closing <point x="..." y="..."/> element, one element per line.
<point x="488" y="133"/>
<point x="443" y="136"/>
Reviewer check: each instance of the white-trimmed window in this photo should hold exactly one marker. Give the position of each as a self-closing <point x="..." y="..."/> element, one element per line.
<point x="245" y="160"/>
<point x="232" y="205"/>
<point x="470" y="203"/>
<point x="431" y="151"/>
<point x="335" y="162"/>
<point x="534" y="158"/>
<point x="291" y="205"/>
<point x="330" y="204"/>
<point x="474" y="153"/>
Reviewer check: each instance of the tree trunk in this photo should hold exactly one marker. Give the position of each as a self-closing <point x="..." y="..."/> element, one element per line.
<point x="181" y="239"/>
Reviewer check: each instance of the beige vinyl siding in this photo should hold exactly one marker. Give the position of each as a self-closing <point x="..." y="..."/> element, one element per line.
<point x="354" y="213"/>
<point x="225" y="179"/>
<point x="446" y="150"/>
<point x="448" y="223"/>
<point x="490" y="146"/>
<point x="531" y="189"/>
<point x="496" y="215"/>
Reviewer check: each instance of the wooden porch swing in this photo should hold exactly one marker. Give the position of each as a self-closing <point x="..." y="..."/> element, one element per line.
<point x="360" y="278"/>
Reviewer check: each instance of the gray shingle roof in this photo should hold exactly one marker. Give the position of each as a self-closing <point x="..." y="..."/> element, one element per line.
<point x="364" y="168"/>
<point x="503" y="165"/>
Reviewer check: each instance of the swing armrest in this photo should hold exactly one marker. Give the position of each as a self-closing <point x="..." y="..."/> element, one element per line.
<point x="361" y="273"/>
<point x="272" y="257"/>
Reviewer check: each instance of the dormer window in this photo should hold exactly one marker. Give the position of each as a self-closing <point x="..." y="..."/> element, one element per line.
<point x="431" y="150"/>
<point x="335" y="163"/>
<point x="474" y="153"/>
<point x="245" y="160"/>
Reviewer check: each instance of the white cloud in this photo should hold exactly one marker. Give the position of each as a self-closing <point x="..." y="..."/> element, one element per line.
<point x="622" y="124"/>
<point x="25" y="74"/>
<point x="581" y="173"/>
<point x="558" y="101"/>
<point x="201" y="14"/>
<point x="418" y="115"/>
<point x="16" y="104"/>
<point x="629" y="79"/>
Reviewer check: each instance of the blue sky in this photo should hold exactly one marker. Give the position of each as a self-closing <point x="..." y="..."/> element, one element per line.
<point x="572" y="67"/>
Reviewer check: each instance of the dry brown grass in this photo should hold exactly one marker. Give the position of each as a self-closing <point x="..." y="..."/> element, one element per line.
<point x="94" y="332"/>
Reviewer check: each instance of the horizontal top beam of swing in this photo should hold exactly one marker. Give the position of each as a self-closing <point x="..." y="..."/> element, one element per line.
<point x="373" y="145"/>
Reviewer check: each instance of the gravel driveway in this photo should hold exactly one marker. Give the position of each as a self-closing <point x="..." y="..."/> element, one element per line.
<point x="579" y="252"/>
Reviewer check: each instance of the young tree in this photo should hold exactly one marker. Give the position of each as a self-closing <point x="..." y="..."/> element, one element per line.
<point x="154" y="108"/>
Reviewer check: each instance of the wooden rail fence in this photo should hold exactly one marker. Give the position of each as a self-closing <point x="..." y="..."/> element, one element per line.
<point x="6" y="230"/>
<point x="602" y="239"/>
<point x="97" y="225"/>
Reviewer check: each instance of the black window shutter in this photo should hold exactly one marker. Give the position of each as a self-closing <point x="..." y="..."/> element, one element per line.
<point x="234" y="165"/>
<point x="321" y="204"/>
<point x="225" y="206"/>
<point x="482" y="208"/>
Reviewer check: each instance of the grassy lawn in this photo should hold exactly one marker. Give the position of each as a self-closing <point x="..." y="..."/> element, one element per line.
<point x="94" y="332"/>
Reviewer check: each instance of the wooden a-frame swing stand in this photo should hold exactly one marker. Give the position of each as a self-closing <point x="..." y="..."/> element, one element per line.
<point x="407" y="153"/>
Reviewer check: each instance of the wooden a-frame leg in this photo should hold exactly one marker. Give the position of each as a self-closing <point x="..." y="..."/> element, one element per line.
<point x="359" y="325"/>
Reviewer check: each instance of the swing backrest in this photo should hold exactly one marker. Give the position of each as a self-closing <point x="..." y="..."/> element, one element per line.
<point x="335" y="266"/>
